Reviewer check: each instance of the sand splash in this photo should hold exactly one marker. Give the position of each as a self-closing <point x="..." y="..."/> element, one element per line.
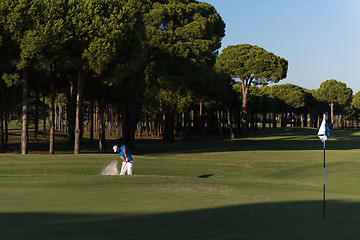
<point x="111" y="169"/>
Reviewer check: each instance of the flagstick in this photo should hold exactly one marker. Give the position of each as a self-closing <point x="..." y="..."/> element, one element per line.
<point x="324" y="185"/>
<point x="323" y="134"/>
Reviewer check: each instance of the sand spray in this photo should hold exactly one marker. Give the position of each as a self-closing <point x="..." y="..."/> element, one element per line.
<point x="111" y="169"/>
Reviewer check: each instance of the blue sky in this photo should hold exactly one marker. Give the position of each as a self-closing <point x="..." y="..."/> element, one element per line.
<point x="319" y="38"/>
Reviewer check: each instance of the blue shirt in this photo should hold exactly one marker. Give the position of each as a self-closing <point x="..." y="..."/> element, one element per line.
<point x="121" y="153"/>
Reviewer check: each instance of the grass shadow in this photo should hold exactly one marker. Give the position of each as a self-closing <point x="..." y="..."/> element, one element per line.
<point x="277" y="220"/>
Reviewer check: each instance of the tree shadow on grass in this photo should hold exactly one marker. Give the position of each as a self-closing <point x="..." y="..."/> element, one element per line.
<point x="277" y="220"/>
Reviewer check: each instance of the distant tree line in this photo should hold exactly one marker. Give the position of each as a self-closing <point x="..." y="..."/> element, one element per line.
<point x="131" y="68"/>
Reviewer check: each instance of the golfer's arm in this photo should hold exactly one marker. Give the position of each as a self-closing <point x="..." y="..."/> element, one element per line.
<point x="125" y="153"/>
<point x="123" y="159"/>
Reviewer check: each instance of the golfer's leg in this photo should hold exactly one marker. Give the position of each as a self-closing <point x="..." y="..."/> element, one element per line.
<point x="129" y="168"/>
<point x="123" y="168"/>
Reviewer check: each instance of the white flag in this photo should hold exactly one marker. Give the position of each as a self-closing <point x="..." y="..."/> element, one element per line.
<point x="324" y="131"/>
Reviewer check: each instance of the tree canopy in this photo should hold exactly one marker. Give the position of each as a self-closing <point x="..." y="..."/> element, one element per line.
<point x="251" y="65"/>
<point x="334" y="92"/>
<point x="141" y="65"/>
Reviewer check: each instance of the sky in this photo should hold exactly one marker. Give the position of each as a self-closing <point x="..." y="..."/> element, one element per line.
<point x="319" y="38"/>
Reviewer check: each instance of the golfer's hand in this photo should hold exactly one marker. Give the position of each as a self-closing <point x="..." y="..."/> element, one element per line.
<point x="127" y="160"/>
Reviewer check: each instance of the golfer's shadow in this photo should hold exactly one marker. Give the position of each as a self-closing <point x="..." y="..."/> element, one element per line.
<point x="205" y="176"/>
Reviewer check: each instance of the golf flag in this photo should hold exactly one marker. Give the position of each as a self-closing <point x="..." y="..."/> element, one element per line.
<point x="323" y="134"/>
<point x="324" y="131"/>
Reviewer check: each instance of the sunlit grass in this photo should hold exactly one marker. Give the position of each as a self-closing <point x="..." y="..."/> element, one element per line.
<point x="267" y="186"/>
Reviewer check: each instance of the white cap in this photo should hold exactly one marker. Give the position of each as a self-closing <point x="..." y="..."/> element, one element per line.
<point x="115" y="148"/>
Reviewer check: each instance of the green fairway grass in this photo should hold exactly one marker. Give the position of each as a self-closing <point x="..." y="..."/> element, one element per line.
<point x="266" y="186"/>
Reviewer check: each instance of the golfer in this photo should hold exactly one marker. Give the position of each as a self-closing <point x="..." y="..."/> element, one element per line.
<point x="127" y="160"/>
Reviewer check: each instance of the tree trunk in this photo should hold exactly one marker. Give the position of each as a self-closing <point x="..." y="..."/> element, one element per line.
<point x="44" y="113"/>
<point x="6" y="111"/>
<point x="232" y="136"/>
<point x="113" y="119"/>
<point x="283" y="120"/>
<point x="163" y="121"/>
<point x="118" y="123"/>
<point x="305" y="122"/>
<point x="102" y="105"/>
<point x="60" y="120"/>
<point x="56" y="114"/>
<point x="24" y="130"/>
<point x="78" y="118"/>
<point x="36" y="116"/>
<point x="185" y="123"/>
<point x="251" y="121"/>
<point x="96" y="117"/>
<point x="91" y="122"/>
<point x="314" y="120"/>
<point x="108" y="113"/>
<point x="332" y="115"/>
<point x="168" y="124"/>
<point x="263" y="121"/>
<point x="129" y="121"/>
<point x="237" y="120"/>
<point x="52" y="114"/>
<point x="219" y="123"/>
<point x="70" y="113"/>
<point x="2" y="111"/>
<point x="201" y="120"/>
<point x="274" y="123"/>
<point x="244" y="120"/>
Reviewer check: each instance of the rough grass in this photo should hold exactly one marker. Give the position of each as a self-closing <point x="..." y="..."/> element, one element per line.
<point x="267" y="186"/>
